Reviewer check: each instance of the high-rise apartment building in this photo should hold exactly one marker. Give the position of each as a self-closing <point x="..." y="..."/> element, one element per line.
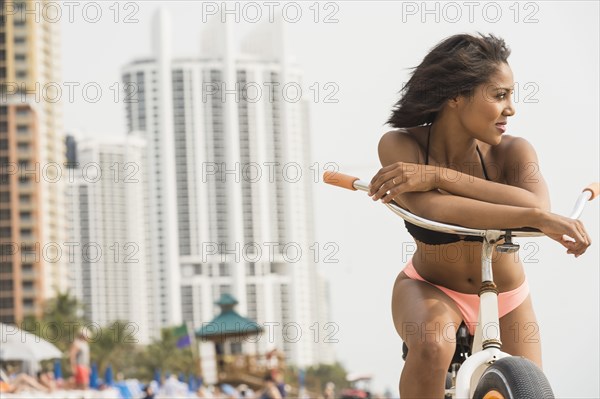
<point x="231" y="180"/>
<point x="106" y="199"/>
<point x="150" y="110"/>
<point x="32" y="156"/>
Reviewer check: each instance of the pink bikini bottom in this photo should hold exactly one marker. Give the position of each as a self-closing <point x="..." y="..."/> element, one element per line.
<point x="468" y="304"/>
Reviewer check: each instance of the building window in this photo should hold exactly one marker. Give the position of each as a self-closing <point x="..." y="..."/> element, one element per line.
<point x="6" y="267"/>
<point x="6" y="303"/>
<point x="223" y="269"/>
<point x="4" y="214"/>
<point x="6" y="285"/>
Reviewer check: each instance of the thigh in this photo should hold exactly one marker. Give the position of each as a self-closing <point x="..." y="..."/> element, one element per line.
<point x="520" y="333"/>
<point x="423" y="313"/>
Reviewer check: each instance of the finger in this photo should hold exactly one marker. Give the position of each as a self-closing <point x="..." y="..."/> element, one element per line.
<point x="570" y="245"/>
<point x="585" y="234"/>
<point x="381" y="172"/>
<point x="384" y="178"/>
<point x="578" y="247"/>
<point x="386" y="174"/>
<point x="375" y="183"/>
<point x="573" y="247"/>
<point x="575" y="234"/>
<point x="399" y="189"/>
<point x="372" y="183"/>
<point x="390" y="195"/>
<point x="577" y="229"/>
<point x="378" y="192"/>
<point x="383" y="192"/>
<point x="386" y="185"/>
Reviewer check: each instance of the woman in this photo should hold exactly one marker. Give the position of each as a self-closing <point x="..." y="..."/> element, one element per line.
<point x="450" y="161"/>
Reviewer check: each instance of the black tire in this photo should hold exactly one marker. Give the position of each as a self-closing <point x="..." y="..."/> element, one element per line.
<point x="514" y="378"/>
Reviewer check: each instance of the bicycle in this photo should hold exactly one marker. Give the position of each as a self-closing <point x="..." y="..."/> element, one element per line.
<point x="479" y="368"/>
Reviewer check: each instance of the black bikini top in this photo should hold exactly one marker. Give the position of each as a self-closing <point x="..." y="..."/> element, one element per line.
<point x="435" y="237"/>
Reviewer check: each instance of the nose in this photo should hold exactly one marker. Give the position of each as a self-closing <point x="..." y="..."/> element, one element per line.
<point x="509" y="110"/>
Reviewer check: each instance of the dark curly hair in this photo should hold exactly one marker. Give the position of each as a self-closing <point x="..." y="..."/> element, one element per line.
<point x="454" y="67"/>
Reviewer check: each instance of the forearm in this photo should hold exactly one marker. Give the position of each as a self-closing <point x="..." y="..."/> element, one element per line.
<point x="465" y="185"/>
<point x="473" y="213"/>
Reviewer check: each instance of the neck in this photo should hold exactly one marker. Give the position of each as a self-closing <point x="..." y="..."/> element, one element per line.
<point x="449" y="143"/>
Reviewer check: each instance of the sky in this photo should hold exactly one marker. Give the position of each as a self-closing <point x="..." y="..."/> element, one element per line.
<point x="364" y="50"/>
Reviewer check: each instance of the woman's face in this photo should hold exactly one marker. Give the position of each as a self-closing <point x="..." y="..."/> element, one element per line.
<point x="485" y="115"/>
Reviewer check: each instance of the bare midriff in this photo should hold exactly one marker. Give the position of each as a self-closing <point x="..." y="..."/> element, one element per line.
<point x="457" y="266"/>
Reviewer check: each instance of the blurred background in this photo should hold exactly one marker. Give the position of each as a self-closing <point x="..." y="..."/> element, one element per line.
<point x="161" y="182"/>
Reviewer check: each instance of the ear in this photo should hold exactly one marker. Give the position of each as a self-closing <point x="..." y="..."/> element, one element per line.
<point x="454" y="102"/>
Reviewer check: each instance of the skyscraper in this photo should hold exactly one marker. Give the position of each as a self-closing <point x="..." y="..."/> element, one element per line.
<point x="149" y="110"/>
<point x="106" y="213"/>
<point x="242" y="182"/>
<point x="32" y="157"/>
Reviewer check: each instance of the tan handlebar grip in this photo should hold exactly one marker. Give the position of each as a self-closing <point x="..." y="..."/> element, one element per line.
<point x="340" y="180"/>
<point x="593" y="188"/>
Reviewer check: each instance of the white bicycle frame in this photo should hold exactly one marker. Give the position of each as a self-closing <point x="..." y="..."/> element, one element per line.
<point x="486" y="342"/>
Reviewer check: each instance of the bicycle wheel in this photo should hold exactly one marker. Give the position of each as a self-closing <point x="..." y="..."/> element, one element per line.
<point x="513" y="377"/>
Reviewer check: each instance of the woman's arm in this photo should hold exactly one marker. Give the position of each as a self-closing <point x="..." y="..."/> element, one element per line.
<point x="397" y="147"/>
<point x="473" y="213"/>
<point x="449" y="208"/>
<point x="525" y="186"/>
<point x="519" y="165"/>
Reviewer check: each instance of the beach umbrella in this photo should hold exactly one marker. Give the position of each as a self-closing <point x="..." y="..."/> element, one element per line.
<point x="108" y="376"/>
<point x="58" y="370"/>
<point x="21" y="345"/>
<point x="94" y="376"/>
<point x="156" y="376"/>
<point x="192" y="386"/>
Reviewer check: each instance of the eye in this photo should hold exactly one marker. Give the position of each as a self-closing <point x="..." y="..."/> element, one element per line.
<point x="502" y="96"/>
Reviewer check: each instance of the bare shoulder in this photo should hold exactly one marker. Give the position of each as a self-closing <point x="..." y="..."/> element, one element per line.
<point x="399" y="145"/>
<point x="514" y="149"/>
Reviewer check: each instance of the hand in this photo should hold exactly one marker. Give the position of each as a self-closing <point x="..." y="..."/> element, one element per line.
<point x="402" y="177"/>
<point x="570" y="233"/>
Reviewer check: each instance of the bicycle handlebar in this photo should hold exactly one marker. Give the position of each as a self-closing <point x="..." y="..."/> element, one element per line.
<point x="354" y="183"/>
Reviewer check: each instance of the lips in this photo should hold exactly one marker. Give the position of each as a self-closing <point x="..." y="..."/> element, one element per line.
<point x="501" y="127"/>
